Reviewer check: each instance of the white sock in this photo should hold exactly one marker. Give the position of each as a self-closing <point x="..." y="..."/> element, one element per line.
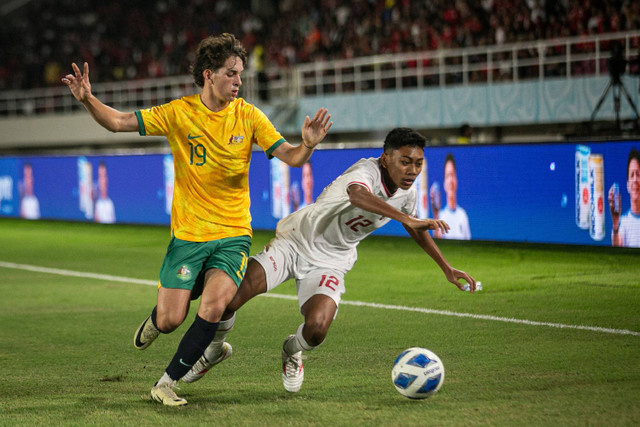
<point x="165" y="379"/>
<point x="298" y="343"/>
<point x="212" y="352"/>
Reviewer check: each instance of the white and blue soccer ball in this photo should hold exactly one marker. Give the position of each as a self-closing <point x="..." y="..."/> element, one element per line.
<point x="417" y="373"/>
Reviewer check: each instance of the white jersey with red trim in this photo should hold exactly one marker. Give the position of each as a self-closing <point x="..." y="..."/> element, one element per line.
<point x="328" y="231"/>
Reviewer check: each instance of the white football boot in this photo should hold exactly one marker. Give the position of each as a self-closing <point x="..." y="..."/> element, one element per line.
<point x="292" y="369"/>
<point x="202" y="366"/>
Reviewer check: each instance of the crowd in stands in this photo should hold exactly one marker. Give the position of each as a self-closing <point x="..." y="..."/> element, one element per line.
<point x="157" y="38"/>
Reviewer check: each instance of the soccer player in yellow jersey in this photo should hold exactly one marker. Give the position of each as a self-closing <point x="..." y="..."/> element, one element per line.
<point x="211" y="135"/>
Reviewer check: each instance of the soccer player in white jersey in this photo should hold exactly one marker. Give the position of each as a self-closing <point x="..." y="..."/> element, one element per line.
<point x="316" y="246"/>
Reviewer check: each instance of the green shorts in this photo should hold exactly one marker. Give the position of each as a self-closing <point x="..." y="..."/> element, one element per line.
<point x="186" y="262"/>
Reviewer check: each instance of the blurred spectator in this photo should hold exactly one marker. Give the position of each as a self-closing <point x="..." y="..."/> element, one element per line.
<point x="464" y="134"/>
<point x="123" y="37"/>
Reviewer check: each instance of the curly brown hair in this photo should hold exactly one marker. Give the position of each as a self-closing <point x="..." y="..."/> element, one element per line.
<point x="212" y="54"/>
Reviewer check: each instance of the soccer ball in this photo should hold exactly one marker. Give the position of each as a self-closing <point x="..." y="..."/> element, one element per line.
<point x="417" y="373"/>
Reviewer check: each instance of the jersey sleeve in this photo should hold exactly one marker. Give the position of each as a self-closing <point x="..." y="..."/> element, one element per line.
<point x="361" y="174"/>
<point x="266" y="135"/>
<point x="155" y="120"/>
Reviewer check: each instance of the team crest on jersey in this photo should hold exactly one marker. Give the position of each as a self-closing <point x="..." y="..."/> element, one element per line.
<point x="184" y="273"/>
<point x="236" y="140"/>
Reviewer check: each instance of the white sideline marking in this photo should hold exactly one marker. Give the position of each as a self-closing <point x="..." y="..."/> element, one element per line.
<point x="111" y="278"/>
<point x="61" y="272"/>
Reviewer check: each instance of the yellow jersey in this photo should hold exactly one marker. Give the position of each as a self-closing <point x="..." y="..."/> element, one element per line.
<point x="211" y="156"/>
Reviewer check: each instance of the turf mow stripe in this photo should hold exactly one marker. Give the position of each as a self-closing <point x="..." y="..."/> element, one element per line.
<point x="110" y="278"/>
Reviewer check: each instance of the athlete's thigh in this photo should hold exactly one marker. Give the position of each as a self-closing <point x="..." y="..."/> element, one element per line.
<point x="321" y="281"/>
<point x="254" y="283"/>
<point x="229" y="255"/>
<point x="219" y="289"/>
<point x="278" y="261"/>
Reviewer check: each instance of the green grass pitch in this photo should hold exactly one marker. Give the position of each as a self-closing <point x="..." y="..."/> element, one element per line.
<point x="553" y="339"/>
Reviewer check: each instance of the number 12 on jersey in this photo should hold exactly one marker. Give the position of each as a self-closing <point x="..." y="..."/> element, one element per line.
<point x="359" y="221"/>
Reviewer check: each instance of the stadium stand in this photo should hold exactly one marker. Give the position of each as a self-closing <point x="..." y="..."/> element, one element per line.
<point x="141" y="39"/>
<point x="139" y="51"/>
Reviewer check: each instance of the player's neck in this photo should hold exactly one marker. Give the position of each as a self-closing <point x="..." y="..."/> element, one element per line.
<point x="212" y="103"/>
<point x="386" y="180"/>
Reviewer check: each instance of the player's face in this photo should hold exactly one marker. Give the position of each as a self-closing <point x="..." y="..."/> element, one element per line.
<point x="633" y="180"/>
<point x="403" y="166"/>
<point x="226" y="81"/>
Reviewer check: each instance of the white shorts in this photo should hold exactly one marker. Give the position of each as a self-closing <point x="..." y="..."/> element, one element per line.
<point x="281" y="261"/>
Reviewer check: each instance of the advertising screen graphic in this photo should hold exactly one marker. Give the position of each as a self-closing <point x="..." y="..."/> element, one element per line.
<point x="566" y="193"/>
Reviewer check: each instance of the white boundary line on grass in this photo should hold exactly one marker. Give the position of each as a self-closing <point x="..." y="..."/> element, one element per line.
<point x="111" y="278"/>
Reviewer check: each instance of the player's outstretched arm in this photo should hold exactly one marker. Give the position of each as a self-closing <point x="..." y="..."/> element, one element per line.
<point x="360" y="197"/>
<point x="313" y="132"/>
<point x="107" y="117"/>
<point x="424" y="240"/>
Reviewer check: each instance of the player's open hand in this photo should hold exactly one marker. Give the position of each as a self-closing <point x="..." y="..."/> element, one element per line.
<point x="314" y="130"/>
<point x="78" y="82"/>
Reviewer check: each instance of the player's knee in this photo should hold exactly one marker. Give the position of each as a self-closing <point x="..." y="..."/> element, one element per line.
<point x="316" y="329"/>
<point x="169" y="322"/>
<point x="211" y="312"/>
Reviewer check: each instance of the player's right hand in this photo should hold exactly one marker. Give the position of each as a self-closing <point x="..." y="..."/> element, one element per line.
<point x="430" y="224"/>
<point x="78" y="82"/>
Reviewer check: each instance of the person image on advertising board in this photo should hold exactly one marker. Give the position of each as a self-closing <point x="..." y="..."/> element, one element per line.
<point x="626" y="228"/>
<point x="104" y="211"/>
<point x="29" y="205"/>
<point x="453" y="214"/>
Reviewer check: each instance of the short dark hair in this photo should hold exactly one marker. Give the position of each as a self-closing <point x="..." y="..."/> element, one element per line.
<point x="213" y="52"/>
<point x="633" y="154"/>
<point x="449" y="158"/>
<point x="401" y="137"/>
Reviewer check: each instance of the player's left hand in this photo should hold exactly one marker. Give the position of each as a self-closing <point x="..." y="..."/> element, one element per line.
<point x="314" y="130"/>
